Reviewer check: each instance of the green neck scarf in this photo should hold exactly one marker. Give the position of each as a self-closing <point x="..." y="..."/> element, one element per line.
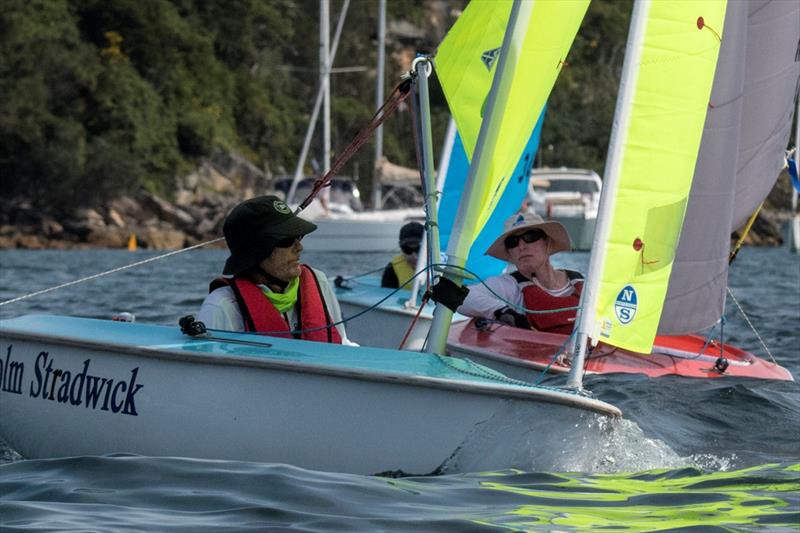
<point x="283" y="301"/>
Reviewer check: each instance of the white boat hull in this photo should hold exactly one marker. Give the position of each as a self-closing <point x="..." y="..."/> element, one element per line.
<point x="240" y="400"/>
<point x="386" y="327"/>
<point x="580" y="230"/>
<point x="375" y="231"/>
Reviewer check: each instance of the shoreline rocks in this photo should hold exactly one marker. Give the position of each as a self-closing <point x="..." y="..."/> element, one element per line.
<point x="200" y="204"/>
<point x="201" y="201"/>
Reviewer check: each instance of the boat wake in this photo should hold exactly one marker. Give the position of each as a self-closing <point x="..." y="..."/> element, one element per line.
<point x="516" y="437"/>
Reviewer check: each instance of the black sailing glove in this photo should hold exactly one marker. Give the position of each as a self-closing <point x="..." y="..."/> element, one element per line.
<point x="512" y="318"/>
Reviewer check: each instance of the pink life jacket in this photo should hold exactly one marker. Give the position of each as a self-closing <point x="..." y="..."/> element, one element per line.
<point x="261" y="316"/>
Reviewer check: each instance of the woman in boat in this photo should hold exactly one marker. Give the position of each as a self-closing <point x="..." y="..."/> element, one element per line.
<point x="269" y="290"/>
<point x="402" y="266"/>
<point x="536" y="286"/>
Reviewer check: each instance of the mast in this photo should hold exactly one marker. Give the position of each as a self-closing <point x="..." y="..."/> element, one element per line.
<point x="324" y="75"/>
<point x="796" y="153"/>
<point x="312" y="123"/>
<point x="441" y="175"/>
<point x="589" y="295"/>
<point x="422" y="67"/>
<point x="377" y="199"/>
<point x="463" y="228"/>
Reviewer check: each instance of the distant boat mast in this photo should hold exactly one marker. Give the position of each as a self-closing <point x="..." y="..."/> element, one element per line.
<point x="377" y="197"/>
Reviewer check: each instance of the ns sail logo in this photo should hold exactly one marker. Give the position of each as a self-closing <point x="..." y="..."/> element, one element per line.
<point x="625" y="304"/>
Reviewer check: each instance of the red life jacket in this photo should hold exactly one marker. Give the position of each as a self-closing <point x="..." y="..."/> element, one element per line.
<point x="260" y="315"/>
<point x="536" y="298"/>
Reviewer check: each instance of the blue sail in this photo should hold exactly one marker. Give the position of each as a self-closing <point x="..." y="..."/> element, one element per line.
<point x="516" y="191"/>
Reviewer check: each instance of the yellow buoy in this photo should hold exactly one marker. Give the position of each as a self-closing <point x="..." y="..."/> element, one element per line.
<point x="132" y="243"/>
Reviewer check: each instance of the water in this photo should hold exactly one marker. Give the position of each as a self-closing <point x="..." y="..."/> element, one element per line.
<point x="707" y="454"/>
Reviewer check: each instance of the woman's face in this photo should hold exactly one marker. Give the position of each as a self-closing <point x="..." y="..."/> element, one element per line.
<point x="529" y="257"/>
<point x="284" y="263"/>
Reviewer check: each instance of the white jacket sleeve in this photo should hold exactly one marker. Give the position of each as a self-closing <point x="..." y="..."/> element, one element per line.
<point x="481" y="303"/>
<point x="220" y="311"/>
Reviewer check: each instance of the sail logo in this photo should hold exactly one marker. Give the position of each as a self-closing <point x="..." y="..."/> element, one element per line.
<point x="625" y="304"/>
<point x="489" y="57"/>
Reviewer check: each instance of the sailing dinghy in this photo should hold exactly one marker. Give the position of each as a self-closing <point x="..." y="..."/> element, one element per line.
<point x="76" y="386"/>
<point x="737" y="154"/>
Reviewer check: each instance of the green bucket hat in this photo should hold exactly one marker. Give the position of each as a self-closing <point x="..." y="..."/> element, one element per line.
<point x="253" y="227"/>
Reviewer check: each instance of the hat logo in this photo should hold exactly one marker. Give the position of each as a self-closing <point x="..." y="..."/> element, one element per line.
<point x="281" y="207"/>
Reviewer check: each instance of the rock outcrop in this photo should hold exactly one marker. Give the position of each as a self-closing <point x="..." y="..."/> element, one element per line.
<point x="194" y="214"/>
<point x="198" y="207"/>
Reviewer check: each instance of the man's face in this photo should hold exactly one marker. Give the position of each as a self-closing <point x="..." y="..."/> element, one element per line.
<point x="411" y="251"/>
<point x="284" y="262"/>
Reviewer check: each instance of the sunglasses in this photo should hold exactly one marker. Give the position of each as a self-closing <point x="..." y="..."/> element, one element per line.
<point x="533" y="235"/>
<point x="409" y="249"/>
<point x="288" y="242"/>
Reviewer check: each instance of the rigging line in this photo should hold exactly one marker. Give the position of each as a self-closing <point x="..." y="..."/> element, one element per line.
<point x="747" y="319"/>
<point x="112" y="271"/>
<point x="561" y="350"/>
<point x="746" y="230"/>
<point x="344" y="320"/>
<point x="518" y="308"/>
<point x="363" y="274"/>
<point x="389" y="107"/>
<point x="414" y="322"/>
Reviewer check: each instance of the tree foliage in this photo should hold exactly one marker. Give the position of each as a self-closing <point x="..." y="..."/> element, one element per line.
<point x="100" y="98"/>
<point x="577" y="126"/>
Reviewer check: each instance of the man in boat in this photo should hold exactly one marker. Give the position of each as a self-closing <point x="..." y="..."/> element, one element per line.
<point x="403" y="266"/>
<point x="269" y="290"/>
<point x="536" y="295"/>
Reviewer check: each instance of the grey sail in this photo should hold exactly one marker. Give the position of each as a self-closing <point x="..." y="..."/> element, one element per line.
<point x="696" y="292"/>
<point x="771" y="83"/>
<point x="741" y="153"/>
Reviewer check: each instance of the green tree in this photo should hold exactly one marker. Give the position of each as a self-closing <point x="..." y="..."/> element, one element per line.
<point x="581" y="107"/>
<point x="45" y="72"/>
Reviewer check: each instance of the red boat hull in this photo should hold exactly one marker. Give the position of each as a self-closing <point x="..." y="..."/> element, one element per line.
<point x="531" y="351"/>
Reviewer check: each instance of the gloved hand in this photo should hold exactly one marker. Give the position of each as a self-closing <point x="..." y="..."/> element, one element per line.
<point x="512" y="318"/>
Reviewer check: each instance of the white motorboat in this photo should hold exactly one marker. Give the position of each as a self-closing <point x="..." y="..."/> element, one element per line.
<point x="570" y="196"/>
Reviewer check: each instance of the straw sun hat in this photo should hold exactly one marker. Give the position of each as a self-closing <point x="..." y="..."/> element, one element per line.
<point x="518" y="223"/>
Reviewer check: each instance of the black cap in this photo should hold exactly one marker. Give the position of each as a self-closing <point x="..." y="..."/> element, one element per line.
<point x="411" y="233"/>
<point x="253" y="227"/>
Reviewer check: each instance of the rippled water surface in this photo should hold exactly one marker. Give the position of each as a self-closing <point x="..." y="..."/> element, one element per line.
<point x="706" y="454"/>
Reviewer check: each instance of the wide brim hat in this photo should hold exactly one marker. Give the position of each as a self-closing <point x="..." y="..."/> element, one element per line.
<point x="253" y="228"/>
<point x="518" y="223"/>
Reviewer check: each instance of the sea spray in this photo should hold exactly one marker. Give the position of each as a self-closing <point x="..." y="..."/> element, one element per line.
<point x="547" y="440"/>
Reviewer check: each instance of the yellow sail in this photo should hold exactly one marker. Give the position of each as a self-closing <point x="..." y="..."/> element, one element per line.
<point x="466" y="62"/>
<point x="132" y="245"/>
<point x="660" y="138"/>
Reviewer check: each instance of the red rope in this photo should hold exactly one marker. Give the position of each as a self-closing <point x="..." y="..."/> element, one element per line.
<point x="397" y="97"/>
<point x="414" y="322"/>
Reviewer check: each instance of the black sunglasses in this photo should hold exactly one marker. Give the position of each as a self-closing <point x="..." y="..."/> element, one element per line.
<point x="409" y="249"/>
<point x="533" y="235"/>
<point x="288" y="242"/>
